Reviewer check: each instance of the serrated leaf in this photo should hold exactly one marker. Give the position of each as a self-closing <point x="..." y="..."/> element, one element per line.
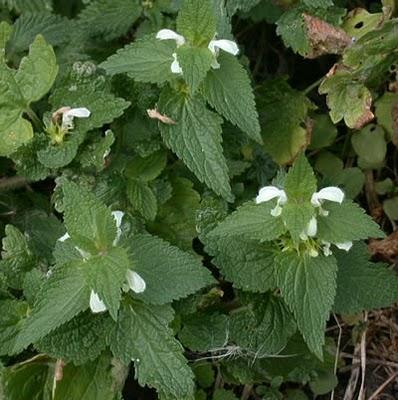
<point x="17" y="257"/>
<point x="110" y="20"/>
<point x="228" y="90"/>
<point x="318" y="3"/>
<point x="88" y="221"/>
<point x="296" y="217"/>
<point x="14" y="136"/>
<point x="91" y="381"/>
<point x="12" y="314"/>
<point x="347" y="98"/>
<point x="196" y="139"/>
<point x="346" y="222"/>
<point x="357" y="278"/>
<point x="148" y="168"/>
<point x="263" y="329"/>
<point x="195" y="62"/>
<point x="196" y="22"/>
<point x="249" y="265"/>
<point x="142" y="335"/>
<point x="142" y="198"/>
<point x="169" y="273"/>
<point x="283" y="113"/>
<point x="145" y="60"/>
<point x="203" y="332"/>
<point x="80" y="340"/>
<point x="37" y="71"/>
<point x="105" y="275"/>
<point x="64" y="295"/>
<point x="251" y="221"/>
<point x="308" y="285"/>
<point x="24" y="6"/>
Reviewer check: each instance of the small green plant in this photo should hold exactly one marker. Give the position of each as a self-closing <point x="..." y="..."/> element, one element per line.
<point x="177" y="201"/>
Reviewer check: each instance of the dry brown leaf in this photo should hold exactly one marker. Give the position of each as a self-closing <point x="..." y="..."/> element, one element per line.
<point x="386" y="248"/>
<point x="324" y="37"/>
<point x="366" y="116"/>
<point x="155" y="114"/>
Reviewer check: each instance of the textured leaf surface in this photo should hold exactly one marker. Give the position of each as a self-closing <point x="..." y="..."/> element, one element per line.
<point x="308" y="285"/>
<point x="142" y="198"/>
<point x="142" y="334"/>
<point x="146" y="60"/>
<point x="251" y="221"/>
<point x="88" y="221"/>
<point x="62" y="296"/>
<point x="80" y="340"/>
<point x="361" y="284"/>
<point x="346" y="222"/>
<point x="249" y="265"/>
<point x="228" y="90"/>
<point x="169" y="273"/>
<point x="37" y="71"/>
<point x="196" y="139"/>
<point x="196" y="21"/>
<point x="195" y="63"/>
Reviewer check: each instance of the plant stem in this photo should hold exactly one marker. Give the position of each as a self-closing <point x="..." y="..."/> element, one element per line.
<point x="35" y="119"/>
<point x="312" y="86"/>
<point x="13" y="182"/>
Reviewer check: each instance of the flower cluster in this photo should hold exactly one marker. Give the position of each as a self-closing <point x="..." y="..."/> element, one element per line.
<point x="214" y="46"/>
<point x="134" y="280"/>
<point x="330" y="193"/>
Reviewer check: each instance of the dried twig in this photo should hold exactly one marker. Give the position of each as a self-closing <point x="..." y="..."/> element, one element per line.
<point x="383" y="386"/>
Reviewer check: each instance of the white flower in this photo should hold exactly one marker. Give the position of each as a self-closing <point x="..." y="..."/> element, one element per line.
<point x="342" y="246"/>
<point x="118" y="216"/>
<point x="135" y="282"/>
<point x="313" y="253"/>
<point x="96" y="304"/>
<point x="227" y="45"/>
<point x="70" y="113"/>
<point x="330" y="193"/>
<point x="168" y="34"/>
<point x="326" y="248"/>
<point x="175" y="65"/>
<point x="268" y="193"/>
<point x="83" y="253"/>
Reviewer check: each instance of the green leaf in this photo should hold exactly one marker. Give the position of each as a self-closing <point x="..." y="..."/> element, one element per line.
<point x="283" y="115"/>
<point x="228" y="90"/>
<point x="17" y="257"/>
<point x="12" y="315"/>
<point x="196" y="139"/>
<point x="324" y="132"/>
<point x="384" y="113"/>
<point x="142" y="198"/>
<point x="148" y="168"/>
<point x="37" y="71"/>
<point x="88" y="221"/>
<point x="347" y="98"/>
<point x="196" y="22"/>
<point x="64" y="295"/>
<point x="223" y="394"/>
<point x="318" y="3"/>
<point x="357" y="278"/>
<point x="14" y="136"/>
<point x="263" y="329"/>
<point x="296" y="217"/>
<point x="110" y="20"/>
<point x="251" y="221"/>
<point x="204" y="332"/>
<point x="346" y="222"/>
<point x="105" y="275"/>
<point x="80" y="340"/>
<point x="142" y="335"/>
<point x="249" y="265"/>
<point x="300" y="182"/>
<point x="308" y="285"/>
<point x="145" y="60"/>
<point x="195" y="62"/>
<point x="91" y="381"/>
<point x="5" y="32"/>
<point x="169" y="273"/>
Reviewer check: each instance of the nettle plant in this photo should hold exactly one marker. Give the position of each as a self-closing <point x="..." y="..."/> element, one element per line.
<point x="162" y="225"/>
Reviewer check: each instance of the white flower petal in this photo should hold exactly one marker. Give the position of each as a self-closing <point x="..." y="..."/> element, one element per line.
<point x="69" y="115"/>
<point x="344" y="246"/>
<point x="326" y="248"/>
<point x="96" y="304"/>
<point x="312" y="227"/>
<point x="118" y="216"/>
<point x="64" y="237"/>
<point x="175" y="65"/>
<point x="313" y="253"/>
<point x="303" y="236"/>
<point x="168" y="34"/>
<point x="136" y="283"/>
<point x="227" y="45"/>
<point x="330" y="193"/>
<point x="215" y="64"/>
<point x="277" y="211"/>
<point x="268" y="193"/>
